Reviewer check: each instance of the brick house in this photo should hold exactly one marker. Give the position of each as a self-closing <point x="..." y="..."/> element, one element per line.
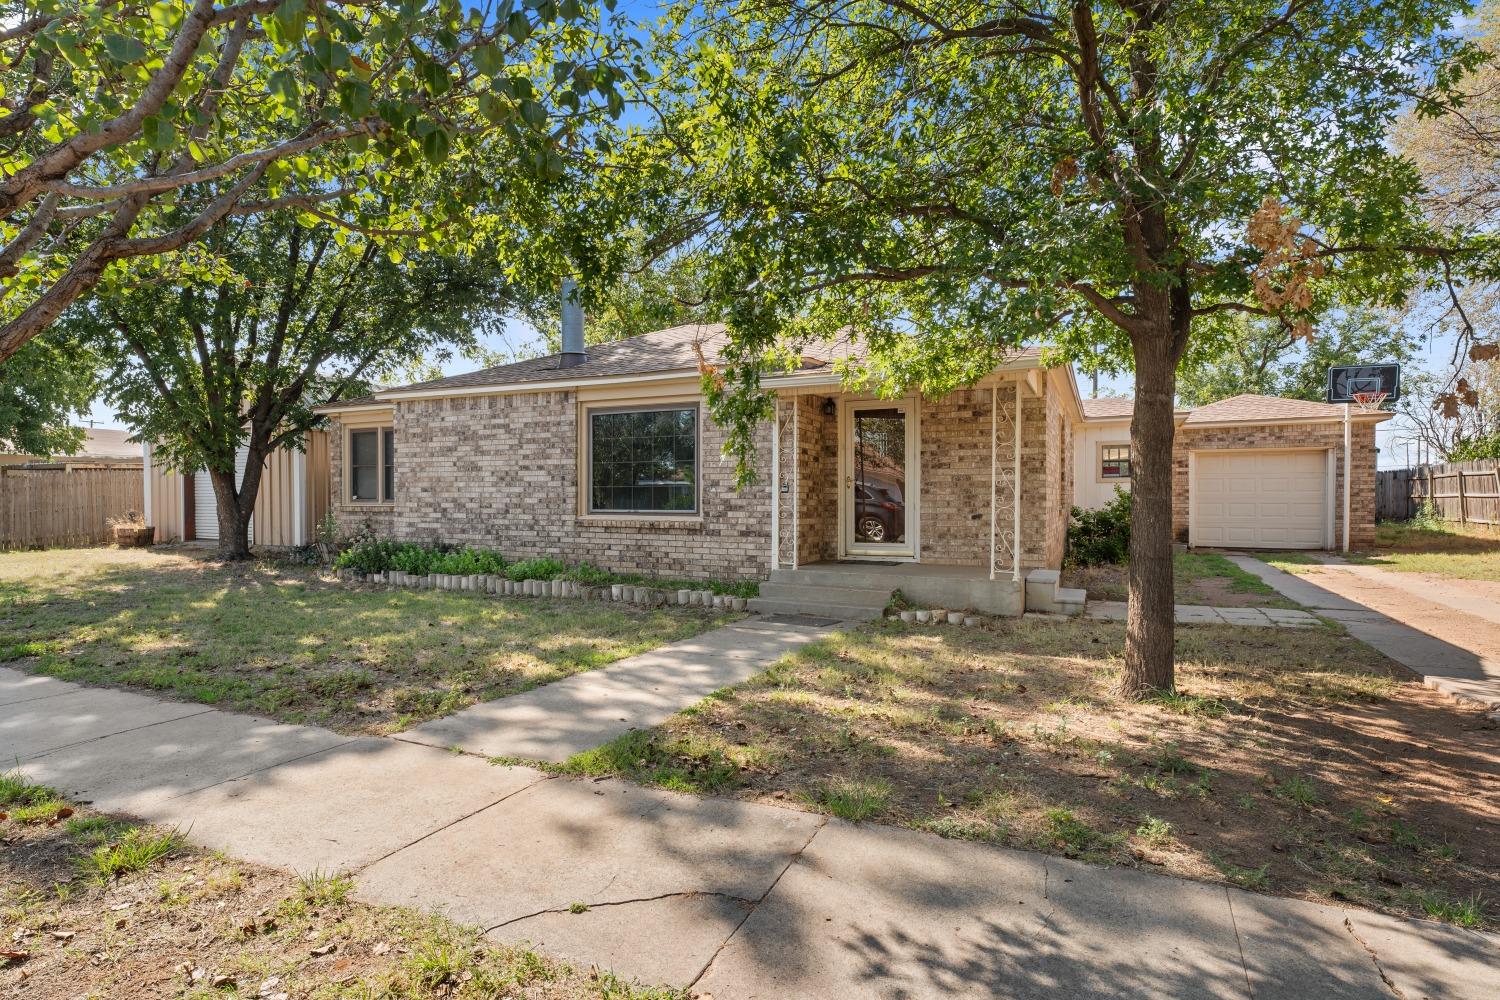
<point x="614" y="460"/>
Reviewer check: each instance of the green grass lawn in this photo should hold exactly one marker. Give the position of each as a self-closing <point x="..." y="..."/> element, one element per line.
<point x="1198" y="578"/>
<point x="283" y="641"/>
<point x="1284" y="762"/>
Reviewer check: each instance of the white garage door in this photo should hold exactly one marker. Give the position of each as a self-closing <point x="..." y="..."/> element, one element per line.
<point x="206" y="505"/>
<point x="1260" y="499"/>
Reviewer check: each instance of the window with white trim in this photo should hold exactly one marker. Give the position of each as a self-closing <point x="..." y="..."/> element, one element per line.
<point x="1114" y="461"/>
<point x="372" y="465"/>
<point x="643" y="461"/>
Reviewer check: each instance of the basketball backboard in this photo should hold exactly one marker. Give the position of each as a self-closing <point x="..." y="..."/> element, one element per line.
<point x="1346" y="380"/>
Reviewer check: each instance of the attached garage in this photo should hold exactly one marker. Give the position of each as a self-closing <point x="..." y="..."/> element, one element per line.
<point x="1260" y="499"/>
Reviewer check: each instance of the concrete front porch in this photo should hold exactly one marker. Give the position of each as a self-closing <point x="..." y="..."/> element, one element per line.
<point x="860" y="590"/>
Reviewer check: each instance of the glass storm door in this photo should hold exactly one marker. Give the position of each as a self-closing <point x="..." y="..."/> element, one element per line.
<point x="877" y="450"/>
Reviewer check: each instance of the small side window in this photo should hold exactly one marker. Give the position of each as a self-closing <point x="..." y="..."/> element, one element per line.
<point x="1114" y="461"/>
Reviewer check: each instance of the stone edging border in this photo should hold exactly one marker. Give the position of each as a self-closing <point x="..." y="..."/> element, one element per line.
<point x="501" y="586"/>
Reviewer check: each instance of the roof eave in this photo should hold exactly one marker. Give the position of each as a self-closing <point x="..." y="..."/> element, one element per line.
<point x="1373" y="418"/>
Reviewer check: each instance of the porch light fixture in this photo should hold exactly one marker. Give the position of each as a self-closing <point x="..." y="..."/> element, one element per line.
<point x="829" y="407"/>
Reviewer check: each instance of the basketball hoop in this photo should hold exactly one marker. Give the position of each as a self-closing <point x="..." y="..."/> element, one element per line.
<point x="1369" y="401"/>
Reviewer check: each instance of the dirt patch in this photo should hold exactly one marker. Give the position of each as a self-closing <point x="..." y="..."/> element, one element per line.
<point x="1198" y="578"/>
<point x="1292" y="761"/>
<point x="202" y="925"/>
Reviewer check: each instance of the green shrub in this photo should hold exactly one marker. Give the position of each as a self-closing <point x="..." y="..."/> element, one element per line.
<point x="536" y="569"/>
<point x="1427" y="518"/>
<point x="1100" y="536"/>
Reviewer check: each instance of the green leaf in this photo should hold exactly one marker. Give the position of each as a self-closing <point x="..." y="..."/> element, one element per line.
<point x="158" y="132"/>
<point x="435" y="78"/>
<point x="354" y="97"/>
<point x="489" y="60"/>
<point x="436" y="145"/>
<point x="283" y="85"/>
<point x="518" y="26"/>
<point x="533" y="114"/>
<point x="494" y="110"/>
<point x="124" y="49"/>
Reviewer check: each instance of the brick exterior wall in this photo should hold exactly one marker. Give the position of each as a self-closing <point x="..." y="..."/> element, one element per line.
<point x="818" y="480"/>
<point x="1320" y="435"/>
<point x="502" y="472"/>
<point x="955" y="487"/>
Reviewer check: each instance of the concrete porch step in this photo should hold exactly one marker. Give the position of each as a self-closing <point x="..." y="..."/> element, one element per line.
<point x="823" y="609"/>
<point x="844" y="576"/>
<point x="812" y="594"/>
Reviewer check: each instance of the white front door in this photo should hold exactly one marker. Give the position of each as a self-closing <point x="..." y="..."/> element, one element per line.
<point x="879" y="478"/>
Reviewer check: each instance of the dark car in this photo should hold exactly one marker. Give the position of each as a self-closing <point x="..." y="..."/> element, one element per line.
<point x="878" y="515"/>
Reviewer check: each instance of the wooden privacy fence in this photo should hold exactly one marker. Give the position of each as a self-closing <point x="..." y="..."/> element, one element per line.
<point x="1467" y="492"/>
<point x="56" y="507"/>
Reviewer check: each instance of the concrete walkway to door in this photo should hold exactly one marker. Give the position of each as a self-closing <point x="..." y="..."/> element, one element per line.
<point x="555" y="721"/>
<point x="1448" y="637"/>
<point x="735" y="899"/>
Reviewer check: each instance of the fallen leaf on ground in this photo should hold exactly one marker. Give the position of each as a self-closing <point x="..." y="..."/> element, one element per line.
<point x="324" y="949"/>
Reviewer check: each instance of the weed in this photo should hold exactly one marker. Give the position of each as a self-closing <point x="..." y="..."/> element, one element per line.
<point x="1154" y="830"/>
<point x="853" y="799"/>
<point x="435" y="962"/>
<point x="1406" y="836"/>
<point x="318" y="888"/>
<point x="578" y="907"/>
<point x="1190" y="704"/>
<point x="17" y="790"/>
<point x="93" y="830"/>
<point x="136" y="851"/>
<point x="1245" y="878"/>
<point x="1075" y="836"/>
<point x="1461" y="912"/>
<point x="1297" y="789"/>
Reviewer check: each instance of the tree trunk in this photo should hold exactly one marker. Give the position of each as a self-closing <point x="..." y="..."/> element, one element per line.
<point x="1149" y="623"/>
<point x="234" y="517"/>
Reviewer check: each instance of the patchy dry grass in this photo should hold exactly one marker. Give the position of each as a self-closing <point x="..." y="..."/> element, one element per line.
<point x="283" y="641"/>
<point x="1289" y="761"/>
<point x="1462" y="551"/>
<point x="188" y="923"/>
<point x="1198" y="578"/>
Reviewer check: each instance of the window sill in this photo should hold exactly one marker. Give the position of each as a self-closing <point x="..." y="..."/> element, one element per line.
<point x="690" y="521"/>
<point x="369" y="504"/>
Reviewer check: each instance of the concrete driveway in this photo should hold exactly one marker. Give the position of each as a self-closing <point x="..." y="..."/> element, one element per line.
<point x="1442" y="630"/>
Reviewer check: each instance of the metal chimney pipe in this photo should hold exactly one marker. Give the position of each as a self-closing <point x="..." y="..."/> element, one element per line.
<point x="573" y="352"/>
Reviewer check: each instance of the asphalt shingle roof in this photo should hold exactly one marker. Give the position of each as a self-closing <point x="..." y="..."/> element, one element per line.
<point x="1248" y="408"/>
<point x="661" y="351"/>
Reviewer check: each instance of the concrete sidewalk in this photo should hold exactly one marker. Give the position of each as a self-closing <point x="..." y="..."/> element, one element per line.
<point x="737" y="899"/>
<point x="1458" y="658"/>
<point x="1203" y="614"/>
<point x="557" y="720"/>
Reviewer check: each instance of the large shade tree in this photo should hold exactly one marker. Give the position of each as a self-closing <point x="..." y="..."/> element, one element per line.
<point x="44" y="389"/>
<point x="232" y="348"/>
<point x="131" y="128"/>
<point x="951" y="180"/>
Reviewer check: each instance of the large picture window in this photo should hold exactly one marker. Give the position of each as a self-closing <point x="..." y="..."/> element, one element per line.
<point x="372" y="465"/>
<point x="643" y="461"/>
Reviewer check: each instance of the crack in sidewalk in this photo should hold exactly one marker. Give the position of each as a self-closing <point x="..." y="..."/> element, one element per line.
<point x="683" y="894"/>
<point x="1234" y="925"/>
<point x="796" y="856"/>
<point x="437" y="830"/>
<point x="1374" y="957"/>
